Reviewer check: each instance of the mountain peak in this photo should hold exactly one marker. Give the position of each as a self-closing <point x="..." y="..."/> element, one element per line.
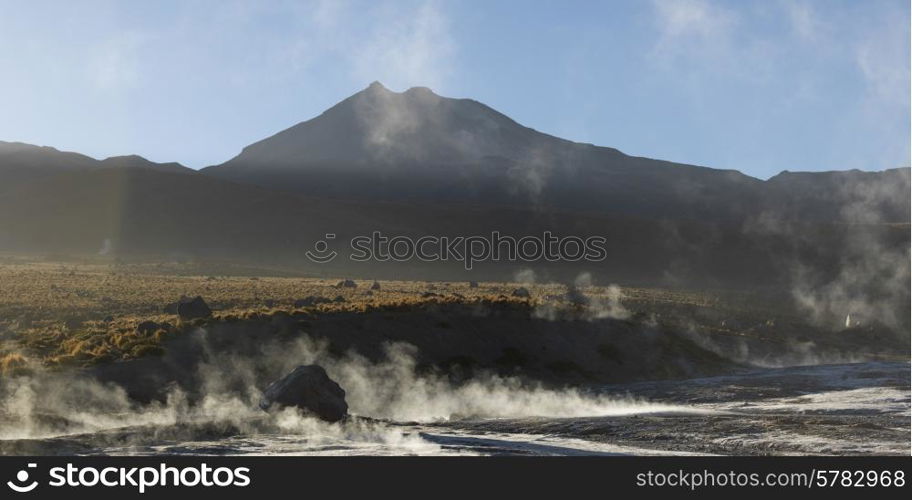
<point x="378" y="126"/>
<point x="420" y="91"/>
<point x="376" y="86"/>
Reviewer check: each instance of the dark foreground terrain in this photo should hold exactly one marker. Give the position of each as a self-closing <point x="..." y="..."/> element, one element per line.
<point x="93" y="361"/>
<point x="855" y="409"/>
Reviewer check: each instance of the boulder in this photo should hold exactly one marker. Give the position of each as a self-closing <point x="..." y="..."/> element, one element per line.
<point x="193" y="309"/>
<point x="172" y="307"/>
<point x="375" y="286"/>
<point x="575" y="296"/>
<point x="147" y="327"/>
<point x="309" y="389"/>
<point x="473" y="284"/>
<point x="346" y="284"/>
<point x="521" y="292"/>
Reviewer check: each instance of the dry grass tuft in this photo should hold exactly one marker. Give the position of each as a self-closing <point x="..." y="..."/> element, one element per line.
<point x="13" y="364"/>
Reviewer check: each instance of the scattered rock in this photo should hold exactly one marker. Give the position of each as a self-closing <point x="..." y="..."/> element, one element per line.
<point x="147" y="327"/>
<point x="575" y="296"/>
<point x="346" y="284"/>
<point x="375" y="286"/>
<point x="172" y="307"/>
<point x="311" y="390"/>
<point x="521" y="292"/>
<point x="193" y="309"/>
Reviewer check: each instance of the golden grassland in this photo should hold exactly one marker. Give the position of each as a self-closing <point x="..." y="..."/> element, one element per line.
<point x="55" y="313"/>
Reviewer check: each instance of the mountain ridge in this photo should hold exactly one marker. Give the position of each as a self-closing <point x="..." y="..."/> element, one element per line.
<point x="23" y="163"/>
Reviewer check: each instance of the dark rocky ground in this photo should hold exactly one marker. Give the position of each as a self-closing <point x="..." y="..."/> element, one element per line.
<point x="854" y="409"/>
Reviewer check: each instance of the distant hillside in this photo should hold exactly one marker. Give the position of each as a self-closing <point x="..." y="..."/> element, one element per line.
<point x="144" y="213"/>
<point x="851" y="196"/>
<point x="21" y="163"/>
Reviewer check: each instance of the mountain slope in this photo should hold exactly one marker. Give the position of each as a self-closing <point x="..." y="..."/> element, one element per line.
<point x="416" y="145"/>
<point x="144" y="213"/>
<point x="421" y="147"/>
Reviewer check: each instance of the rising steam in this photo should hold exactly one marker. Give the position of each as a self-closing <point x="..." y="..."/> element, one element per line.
<point x="49" y="404"/>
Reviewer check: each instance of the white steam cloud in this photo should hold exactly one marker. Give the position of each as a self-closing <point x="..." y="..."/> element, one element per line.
<point x="46" y="405"/>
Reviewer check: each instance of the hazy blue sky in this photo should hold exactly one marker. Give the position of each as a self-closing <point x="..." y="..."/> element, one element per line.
<point x="760" y="86"/>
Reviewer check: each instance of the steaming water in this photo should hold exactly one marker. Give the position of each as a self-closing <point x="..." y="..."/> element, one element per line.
<point x="841" y="409"/>
<point x="424" y="422"/>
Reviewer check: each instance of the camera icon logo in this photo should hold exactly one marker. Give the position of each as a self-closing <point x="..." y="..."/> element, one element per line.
<point x="19" y="485"/>
<point x="321" y="254"/>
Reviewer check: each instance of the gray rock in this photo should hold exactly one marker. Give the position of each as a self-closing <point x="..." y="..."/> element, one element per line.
<point x="172" y="307"/>
<point x="521" y="292"/>
<point x="193" y="309"/>
<point x="147" y="327"/>
<point x="309" y="389"/>
<point x="575" y="296"/>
